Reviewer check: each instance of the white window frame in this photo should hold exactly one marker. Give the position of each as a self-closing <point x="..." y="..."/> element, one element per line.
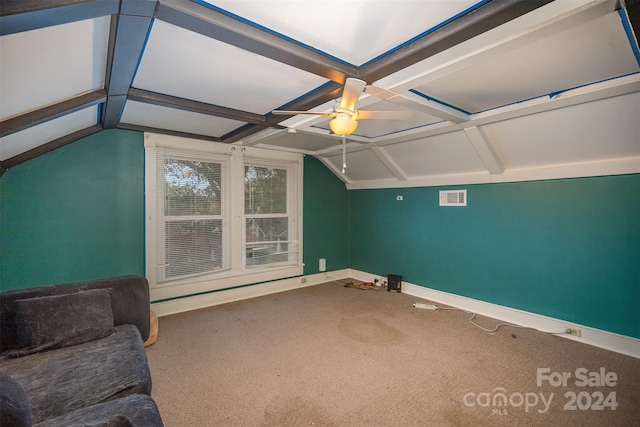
<point x="237" y="274"/>
<point x="291" y="213"/>
<point x="223" y="216"/>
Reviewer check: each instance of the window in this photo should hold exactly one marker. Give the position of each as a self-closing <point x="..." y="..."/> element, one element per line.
<point x="219" y="215"/>
<point x="192" y="215"/>
<point x="267" y="219"/>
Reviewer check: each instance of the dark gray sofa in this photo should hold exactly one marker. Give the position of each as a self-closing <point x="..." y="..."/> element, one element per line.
<point x="73" y="355"/>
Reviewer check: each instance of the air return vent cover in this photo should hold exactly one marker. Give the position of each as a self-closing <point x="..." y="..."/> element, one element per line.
<point x="453" y="198"/>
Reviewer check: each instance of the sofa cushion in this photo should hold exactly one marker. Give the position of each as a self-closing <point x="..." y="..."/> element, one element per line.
<point x="15" y="409"/>
<point x="62" y="320"/>
<point x="66" y="379"/>
<point x="134" y="410"/>
<point x="129" y="301"/>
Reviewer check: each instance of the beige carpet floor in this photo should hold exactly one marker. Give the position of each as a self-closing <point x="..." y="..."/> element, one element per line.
<point x="328" y="355"/>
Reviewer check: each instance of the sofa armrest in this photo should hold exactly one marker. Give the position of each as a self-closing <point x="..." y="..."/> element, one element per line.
<point x="129" y="302"/>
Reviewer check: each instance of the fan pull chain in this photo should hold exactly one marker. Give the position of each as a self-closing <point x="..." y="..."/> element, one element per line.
<point x="344" y="153"/>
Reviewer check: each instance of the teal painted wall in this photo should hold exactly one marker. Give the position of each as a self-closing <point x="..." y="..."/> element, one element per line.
<point x="568" y="249"/>
<point x="75" y="213"/>
<point x="326" y="218"/>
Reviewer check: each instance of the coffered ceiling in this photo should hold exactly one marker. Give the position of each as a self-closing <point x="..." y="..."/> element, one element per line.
<point x="499" y="90"/>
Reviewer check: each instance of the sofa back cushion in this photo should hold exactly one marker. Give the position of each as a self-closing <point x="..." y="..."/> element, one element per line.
<point x="129" y="301"/>
<point x="62" y="320"/>
<point x="15" y="409"/>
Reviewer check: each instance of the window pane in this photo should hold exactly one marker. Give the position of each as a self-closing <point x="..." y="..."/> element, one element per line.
<point x="192" y="188"/>
<point x="267" y="229"/>
<point x="267" y="240"/>
<point x="265" y="190"/>
<point x="193" y="247"/>
<point x="270" y="253"/>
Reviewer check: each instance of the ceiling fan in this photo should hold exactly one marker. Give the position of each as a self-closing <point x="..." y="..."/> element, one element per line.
<point x="344" y="117"/>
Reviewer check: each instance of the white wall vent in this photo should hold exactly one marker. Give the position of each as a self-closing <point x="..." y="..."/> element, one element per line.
<point x="453" y="198"/>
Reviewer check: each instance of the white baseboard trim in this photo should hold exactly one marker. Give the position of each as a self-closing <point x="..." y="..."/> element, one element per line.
<point x="195" y="302"/>
<point x="596" y="337"/>
<point x="608" y="340"/>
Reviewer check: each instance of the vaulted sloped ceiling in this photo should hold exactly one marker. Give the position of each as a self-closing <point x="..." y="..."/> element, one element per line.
<point x="500" y="90"/>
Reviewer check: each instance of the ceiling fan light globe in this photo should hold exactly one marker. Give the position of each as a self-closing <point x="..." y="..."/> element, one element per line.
<point x="342" y="124"/>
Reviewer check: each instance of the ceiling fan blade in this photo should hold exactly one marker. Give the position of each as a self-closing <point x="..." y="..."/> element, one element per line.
<point x="384" y="115"/>
<point x="295" y="113"/>
<point x="351" y="92"/>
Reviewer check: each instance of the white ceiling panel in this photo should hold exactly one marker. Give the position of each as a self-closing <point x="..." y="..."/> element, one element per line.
<point x="355" y="31"/>
<point x="593" y="51"/>
<point x="19" y="142"/>
<point x="449" y="153"/>
<point x="189" y="65"/>
<point x="47" y="65"/>
<point x="606" y="129"/>
<point x="155" y="116"/>
<point x="362" y="165"/>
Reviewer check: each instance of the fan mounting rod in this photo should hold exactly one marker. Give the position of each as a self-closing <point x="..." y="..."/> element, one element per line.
<point x="351" y="113"/>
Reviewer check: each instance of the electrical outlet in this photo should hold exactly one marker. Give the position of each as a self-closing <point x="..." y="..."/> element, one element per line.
<point x="573" y="331"/>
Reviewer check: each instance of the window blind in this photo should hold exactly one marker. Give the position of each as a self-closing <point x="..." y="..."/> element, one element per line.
<point x="193" y="211"/>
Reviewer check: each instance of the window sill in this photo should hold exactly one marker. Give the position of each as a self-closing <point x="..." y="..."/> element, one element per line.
<point x="196" y="285"/>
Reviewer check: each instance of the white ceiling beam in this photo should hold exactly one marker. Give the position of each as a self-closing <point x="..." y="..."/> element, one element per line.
<point x="485" y="149"/>
<point x="417" y="133"/>
<point x="597" y="91"/>
<point x="424" y="181"/>
<point x="260" y="137"/>
<point x="283" y="149"/>
<point x="480" y="141"/>
<point x="337" y="172"/>
<point x="494" y="43"/>
<point x="606" y="167"/>
<point x="388" y="162"/>
<point x="422" y="104"/>
<point x="418" y="103"/>
<point x="603" y="167"/>
<point x="547" y="23"/>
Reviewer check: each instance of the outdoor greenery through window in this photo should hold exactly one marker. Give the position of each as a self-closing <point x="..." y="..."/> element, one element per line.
<point x="266" y="216"/>
<point x="193" y="218"/>
<point x="219" y="216"/>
